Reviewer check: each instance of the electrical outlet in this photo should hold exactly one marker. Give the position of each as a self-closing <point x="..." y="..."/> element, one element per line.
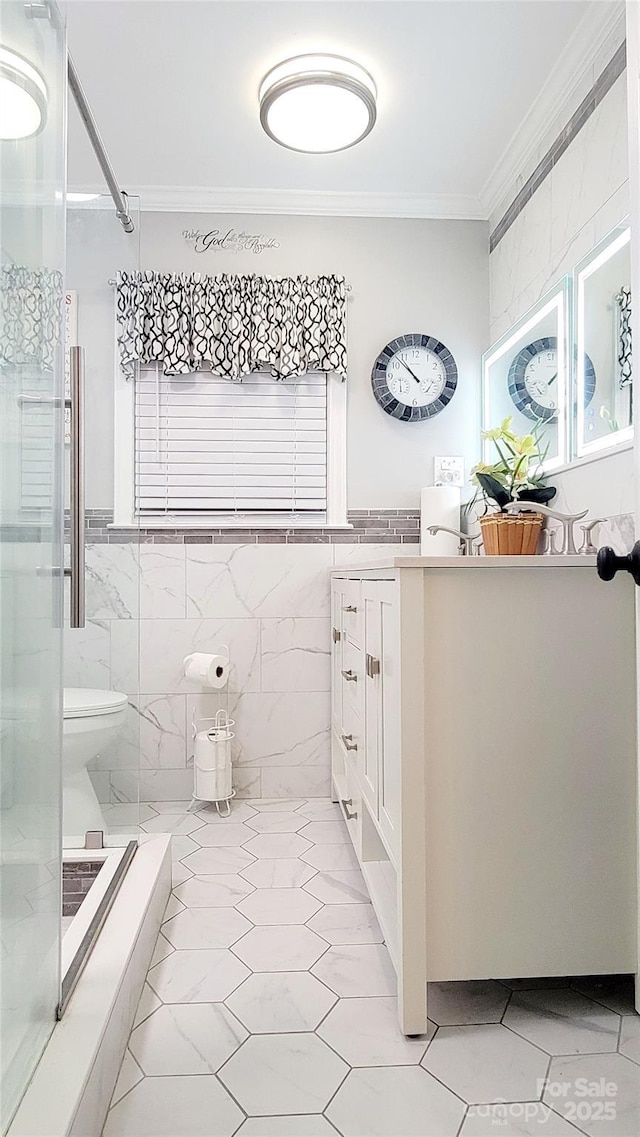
<point x="448" y="471"/>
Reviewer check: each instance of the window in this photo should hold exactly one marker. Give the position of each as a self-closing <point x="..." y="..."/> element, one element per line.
<point x="201" y="450"/>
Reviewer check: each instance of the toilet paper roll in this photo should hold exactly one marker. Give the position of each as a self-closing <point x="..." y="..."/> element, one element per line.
<point x="439" y="505"/>
<point x="207" y="670"/>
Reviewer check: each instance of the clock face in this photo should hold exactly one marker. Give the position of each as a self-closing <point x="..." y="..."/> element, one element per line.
<point x="414" y="377"/>
<point x="533" y="380"/>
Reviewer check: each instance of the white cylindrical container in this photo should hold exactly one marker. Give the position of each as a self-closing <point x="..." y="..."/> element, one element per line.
<point x="212" y="768"/>
<point x="439" y="505"/>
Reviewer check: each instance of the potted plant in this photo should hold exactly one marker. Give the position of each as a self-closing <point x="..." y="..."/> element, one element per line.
<point x="516" y="476"/>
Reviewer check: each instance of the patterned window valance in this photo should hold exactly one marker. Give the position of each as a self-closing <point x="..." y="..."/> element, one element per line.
<point x="30" y="316"/>
<point x="232" y="325"/>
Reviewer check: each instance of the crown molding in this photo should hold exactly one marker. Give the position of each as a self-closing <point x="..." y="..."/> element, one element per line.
<point x="304" y="203"/>
<point x="595" y="40"/>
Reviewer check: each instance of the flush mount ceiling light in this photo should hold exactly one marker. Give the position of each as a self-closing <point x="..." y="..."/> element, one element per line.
<point x="317" y="104"/>
<point x="23" y="97"/>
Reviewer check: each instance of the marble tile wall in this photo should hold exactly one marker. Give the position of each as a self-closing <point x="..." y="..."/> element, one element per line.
<point x="269" y="603"/>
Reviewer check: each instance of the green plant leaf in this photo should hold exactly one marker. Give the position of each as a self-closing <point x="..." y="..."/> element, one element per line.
<point x="539" y="494"/>
<point x="492" y="488"/>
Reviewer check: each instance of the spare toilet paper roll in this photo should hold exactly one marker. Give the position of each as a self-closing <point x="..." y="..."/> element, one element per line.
<point x="207" y="670"/>
<point x="439" y="505"/>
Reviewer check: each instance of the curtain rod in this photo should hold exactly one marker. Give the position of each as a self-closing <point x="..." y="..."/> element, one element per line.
<point x="113" y="282"/>
<point x="84" y="110"/>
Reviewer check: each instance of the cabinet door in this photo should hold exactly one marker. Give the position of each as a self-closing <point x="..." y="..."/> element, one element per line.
<point x="372" y="698"/>
<point x="337" y="641"/>
<point x="390" y="782"/>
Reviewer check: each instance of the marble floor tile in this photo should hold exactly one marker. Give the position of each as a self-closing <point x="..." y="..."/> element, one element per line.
<point x="365" y="1033"/>
<point x="279" y="906"/>
<point x="181" y="847"/>
<point x="462" y="1004"/>
<point x="223" y="890"/>
<point x="240" y="811"/>
<point x="173" y="907"/>
<point x="186" y="1038"/>
<point x="289" y="948"/>
<point x="166" y="1107"/>
<point x="206" y="928"/>
<point x="563" y="1022"/>
<point x="616" y="992"/>
<point x="395" y="1100"/>
<point x="197" y="976"/>
<point x="283" y="872"/>
<point x="326" y="833"/>
<point x="339" y="886"/>
<point x="179" y="873"/>
<point x="178" y="824"/>
<point x="272" y="822"/>
<point x="630" y="1037"/>
<point x="515" y="1119"/>
<point x="347" y="924"/>
<point x="231" y="833"/>
<point x="218" y="861"/>
<point x="330" y="858"/>
<point x="486" y="1063"/>
<point x="284" y="1001"/>
<point x="277" y="804"/>
<point x="622" y="1091"/>
<point x="162" y="949"/>
<point x="180" y="807"/>
<point x="277" y="845"/>
<point x="357" y="970"/>
<point x="283" y="1073"/>
<point x="148" y="1003"/>
<point x="129" y="1076"/>
<point x="310" y="1125"/>
<point x="321" y="810"/>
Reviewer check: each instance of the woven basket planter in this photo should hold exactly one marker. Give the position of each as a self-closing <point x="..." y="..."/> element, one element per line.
<point x="509" y="534"/>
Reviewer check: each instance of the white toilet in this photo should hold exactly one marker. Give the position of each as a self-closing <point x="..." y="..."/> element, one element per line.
<point x="91" y="720"/>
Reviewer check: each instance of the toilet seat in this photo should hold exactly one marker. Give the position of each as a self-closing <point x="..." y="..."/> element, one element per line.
<point x="85" y="702"/>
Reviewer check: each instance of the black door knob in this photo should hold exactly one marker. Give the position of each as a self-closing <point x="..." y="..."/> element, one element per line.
<point x="609" y="563"/>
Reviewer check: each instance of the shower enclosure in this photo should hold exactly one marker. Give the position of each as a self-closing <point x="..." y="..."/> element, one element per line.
<point x="38" y="325"/>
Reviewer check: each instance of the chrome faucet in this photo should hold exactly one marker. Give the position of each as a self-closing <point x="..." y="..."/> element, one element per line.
<point x="567" y="520"/>
<point x="467" y="543"/>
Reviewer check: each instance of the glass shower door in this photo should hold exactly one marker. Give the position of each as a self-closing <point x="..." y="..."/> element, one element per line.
<point x="32" y="131"/>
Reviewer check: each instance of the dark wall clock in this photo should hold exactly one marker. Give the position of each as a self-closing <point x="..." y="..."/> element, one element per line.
<point x="414" y="377"/>
<point x="532" y="380"/>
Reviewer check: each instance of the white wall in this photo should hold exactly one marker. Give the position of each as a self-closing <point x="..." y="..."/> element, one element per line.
<point x="406" y="276"/>
<point x="583" y="198"/>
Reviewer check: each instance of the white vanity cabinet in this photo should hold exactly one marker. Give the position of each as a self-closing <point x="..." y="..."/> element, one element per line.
<point x="483" y="750"/>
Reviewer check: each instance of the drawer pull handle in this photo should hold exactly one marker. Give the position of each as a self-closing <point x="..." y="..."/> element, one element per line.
<point x="346" y="802"/>
<point x="350" y="676"/>
<point x="337" y="635"/>
<point x="350" y="608"/>
<point x="373" y="666"/>
<point x="349" y="744"/>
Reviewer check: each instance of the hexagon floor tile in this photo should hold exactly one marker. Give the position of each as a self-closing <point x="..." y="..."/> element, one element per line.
<point x="292" y="948"/>
<point x="563" y="1022"/>
<point x="347" y="924"/>
<point x="331" y="857"/>
<point x="206" y="928"/>
<point x="277" y="845"/>
<point x="613" y="991"/>
<point x="218" y="862"/>
<point x="178" y="824"/>
<point x="321" y="811"/>
<point x="186" y="1038"/>
<point x="165" y="1107"/>
<point x="197" y="976"/>
<point x="365" y="1033"/>
<point x="515" y="1119"/>
<point x="462" y="1004"/>
<point x="283" y="1073"/>
<point x="281" y="872"/>
<point x="231" y="833"/>
<point x="486" y="1063"/>
<point x="396" y="1100"/>
<point x="354" y="970"/>
<point x="240" y="811"/>
<point x="630" y="1037"/>
<point x="221" y="891"/>
<point x="271" y="822"/>
<point x="339" y="886"/>
<point x="622" y="1090"/>
<point x="277" y="1002"/>
<point x="311" y="1125"/>
<point x="279" y="906"/>
<point x="326" y="833"/>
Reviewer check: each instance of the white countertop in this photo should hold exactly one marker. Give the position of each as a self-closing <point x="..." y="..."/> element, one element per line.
<point x="484" y="563"/>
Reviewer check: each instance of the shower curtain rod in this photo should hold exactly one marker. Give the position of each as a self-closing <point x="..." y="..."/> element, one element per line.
<point x="113" y="282"/>
<point x="119" y="197"/>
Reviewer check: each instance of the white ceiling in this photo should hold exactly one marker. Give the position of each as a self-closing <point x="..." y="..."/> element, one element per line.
<point x="173" y="86"/>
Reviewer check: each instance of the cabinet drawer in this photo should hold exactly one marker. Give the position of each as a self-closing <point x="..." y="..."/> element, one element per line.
<point x="352" y="611"/>
<point x="351" y="735"/>
<point x="351" y="676"/>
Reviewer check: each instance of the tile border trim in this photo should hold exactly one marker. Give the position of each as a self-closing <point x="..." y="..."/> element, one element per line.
<point x="592" y="99"/>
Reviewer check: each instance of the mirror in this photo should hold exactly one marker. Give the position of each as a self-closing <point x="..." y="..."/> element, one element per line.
<point x="604" y="392"/>
<point x="525" y="375"/>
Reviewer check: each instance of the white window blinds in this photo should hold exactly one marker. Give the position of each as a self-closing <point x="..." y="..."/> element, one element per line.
<point x="206" y="445"/>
